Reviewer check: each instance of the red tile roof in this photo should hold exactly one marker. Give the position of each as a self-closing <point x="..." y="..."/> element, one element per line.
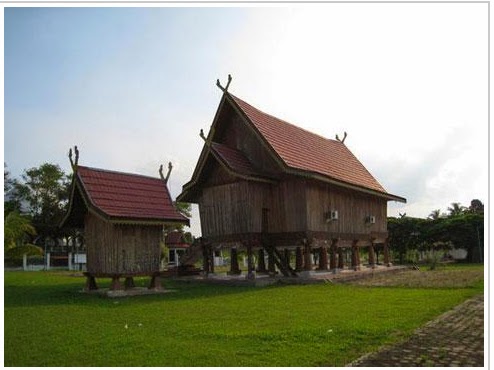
<point x="304" y="150"/>
<point x="235" y="160"/>
<point x="128" y="196"/>
<point x="175" y="239"/>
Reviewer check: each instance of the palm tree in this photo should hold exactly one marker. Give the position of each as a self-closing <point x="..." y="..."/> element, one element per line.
<point x="456" y="209"/>
<point x="17" y="229"/>
<point x="435" y="214"/>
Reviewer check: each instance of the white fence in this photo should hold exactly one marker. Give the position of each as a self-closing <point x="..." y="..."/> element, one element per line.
<point x="76" y="262"/>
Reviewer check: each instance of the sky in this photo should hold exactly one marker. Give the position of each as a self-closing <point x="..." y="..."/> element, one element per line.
<point x="132" y="87"/>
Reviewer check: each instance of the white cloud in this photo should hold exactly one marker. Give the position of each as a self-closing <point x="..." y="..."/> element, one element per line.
<point x="408" y="82"/>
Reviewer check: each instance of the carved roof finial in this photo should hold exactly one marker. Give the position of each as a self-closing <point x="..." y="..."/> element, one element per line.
<point x="224" y="89"/>
<point x="74" y="163"/>
<point x="165" y="178"/>
<point x="342" y="140"/>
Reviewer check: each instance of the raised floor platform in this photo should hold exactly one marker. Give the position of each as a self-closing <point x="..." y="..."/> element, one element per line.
<point x="306" y="277"/>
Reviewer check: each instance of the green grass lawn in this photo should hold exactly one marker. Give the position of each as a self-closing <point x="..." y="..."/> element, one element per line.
<point x="48" y="322"/>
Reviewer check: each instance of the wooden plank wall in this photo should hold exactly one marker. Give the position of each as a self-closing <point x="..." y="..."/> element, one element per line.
<point x="286" y="206"/>
<point x="240" y="136"/>
<point x="231" y="209"/>
<point x="111" y="249"/>
<point x="237" y="208"/>
<point x="353" y="209"/>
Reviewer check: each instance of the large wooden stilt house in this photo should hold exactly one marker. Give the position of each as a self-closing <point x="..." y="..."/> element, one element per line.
<point x="123" y="218"/>
<point x="264" y="185"/>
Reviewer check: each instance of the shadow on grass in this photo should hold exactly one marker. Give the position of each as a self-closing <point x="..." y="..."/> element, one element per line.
<point x="29" y="294"/>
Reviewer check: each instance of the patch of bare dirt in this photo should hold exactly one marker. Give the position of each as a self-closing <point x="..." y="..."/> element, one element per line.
<point x="425" y="279"/>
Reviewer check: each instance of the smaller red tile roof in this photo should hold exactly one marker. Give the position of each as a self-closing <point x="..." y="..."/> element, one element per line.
<point x="306" y="151"/>
<point x="235" y="160"/>
<point x="126" y="196"/>
<point x="175" y="239"/>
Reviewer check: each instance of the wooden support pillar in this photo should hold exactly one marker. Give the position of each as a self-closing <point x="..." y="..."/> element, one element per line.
<point x="155" y="282"/>
<point x="341" y="258"/>
<point x="261" y="264"/>
<point x="205" y="258"/>
<point x="307" y="259"/>
<point x="234" y="269"/>
<point x="90" y="283"/>
<point x="211" y="259"/>
<point x="271" y="264"/>
<point x="129" y="283"/>
<point x="286" y="257"/>
<point x="355" y="256"/>
<point x="250" y="264"/>
<point x="372" y="257"/>
<point x="387" y="261"/>
<point x="323" y="259"/>
<point x="115" y="283"/>
<point x="333" y="255"/>
<point x="299" y="259"/>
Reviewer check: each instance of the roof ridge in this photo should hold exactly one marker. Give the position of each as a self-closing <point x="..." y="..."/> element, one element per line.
<point x="119" y="172"/>
<point x="286" y="122"/>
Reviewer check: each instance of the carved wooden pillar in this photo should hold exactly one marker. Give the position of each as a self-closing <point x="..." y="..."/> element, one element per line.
<point x="115" y="283"/>
<point x="129" y="283"/>
<point x="90" y="283"/>
<point x="299" y="259"/>
<point x="234" y="269"/>
<point x="271" y="264"/>
<point x="307" y="259"/>
<point x="355" y="256"/>
<point x="332" y="255"/>
<point x="286" y="257"/>
<point x="155" y="282"/>
<point x="211" y="259"/>
<point x="205" y="258"/>
<point x="323" y="259"/>
<point x="372" y="257"/>
<point x="341" y="258"/>
<point x="261" y="265"/>
<point x="387" y="262"/>
<point x="250" y="264"/>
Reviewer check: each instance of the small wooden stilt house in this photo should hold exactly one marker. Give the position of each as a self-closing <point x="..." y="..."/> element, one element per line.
<point x="263" y="184"/>
<point x="122" y="217"/>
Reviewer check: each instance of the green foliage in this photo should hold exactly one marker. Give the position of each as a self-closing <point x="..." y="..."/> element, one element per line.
<point x="184" y="208"/>
<point x="17" y="253"/>
<point x="11" y="199"/>
<point x="462" y="228"/>
<point x="45" y="189"/>
<point x="17" y="229"/>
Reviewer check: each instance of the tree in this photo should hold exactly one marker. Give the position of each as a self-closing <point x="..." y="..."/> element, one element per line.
<point x="476" y="206"/>
<point x="18" y="231"/>
<point x="45" y="190"/>
<point x="462" y="228"/>
<point x="435" y="214"/>
<point x="405" y="234"/>
<point x="11" y="199"/>
<point x="456" y="209"/>
<point x="186" y="210"/>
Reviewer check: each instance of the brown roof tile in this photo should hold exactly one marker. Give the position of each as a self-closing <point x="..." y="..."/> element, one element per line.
<point x="128" y="196"/>
<point x="234" y="159"/>
<point x="304" y="150"/>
